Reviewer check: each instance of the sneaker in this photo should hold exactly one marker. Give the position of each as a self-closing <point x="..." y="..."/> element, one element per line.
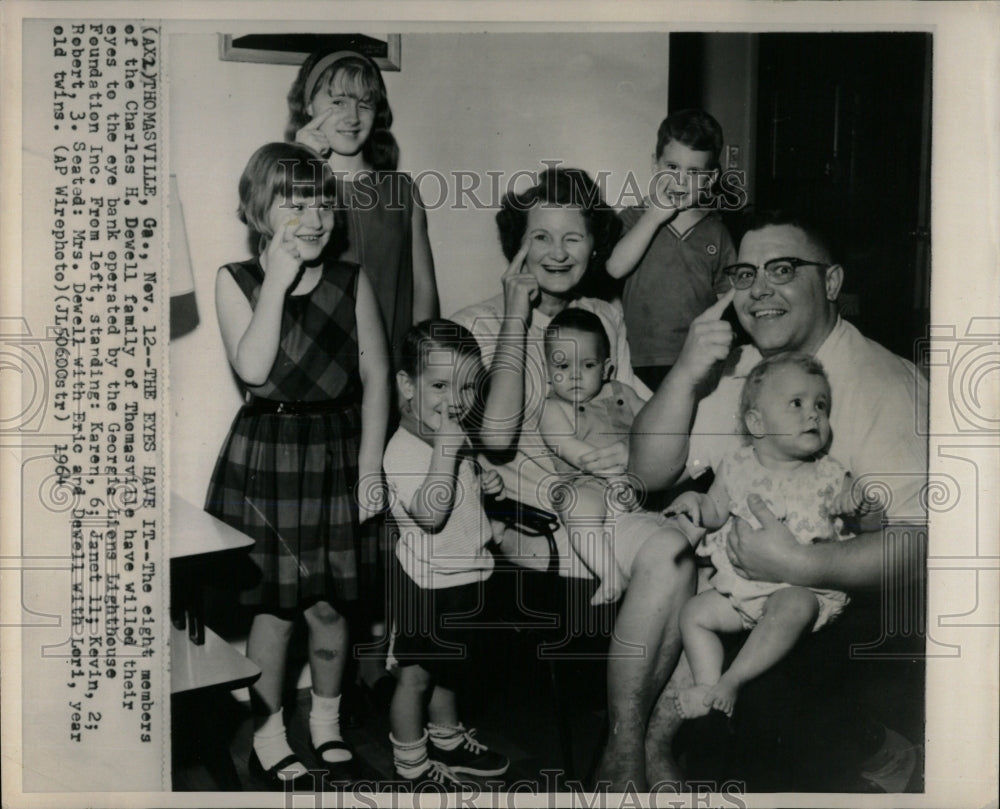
<point x="891" y="768"/>
<point x="472" y="756"/>
<point x="436" y="775"/>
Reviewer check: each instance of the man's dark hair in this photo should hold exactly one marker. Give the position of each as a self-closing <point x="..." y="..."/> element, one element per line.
<point x="816" y="232"/>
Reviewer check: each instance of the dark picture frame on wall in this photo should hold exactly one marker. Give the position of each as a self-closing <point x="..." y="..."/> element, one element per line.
<point x="292" y="49"/>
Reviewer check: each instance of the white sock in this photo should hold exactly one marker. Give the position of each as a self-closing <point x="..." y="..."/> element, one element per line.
<point x="324" y="726"/>
<point x="271" y="746"/>
<point x="409" y="758"/>
<point x="446" y="737"/>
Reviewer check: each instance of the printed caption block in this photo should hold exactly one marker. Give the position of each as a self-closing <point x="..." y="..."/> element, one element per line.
<point x="92" y="573"/>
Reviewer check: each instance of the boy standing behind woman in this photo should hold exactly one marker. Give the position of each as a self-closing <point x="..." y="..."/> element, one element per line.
<point x="675" y="245"/>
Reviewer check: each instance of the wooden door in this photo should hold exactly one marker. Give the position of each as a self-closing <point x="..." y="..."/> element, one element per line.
<point x="843" y="130"/>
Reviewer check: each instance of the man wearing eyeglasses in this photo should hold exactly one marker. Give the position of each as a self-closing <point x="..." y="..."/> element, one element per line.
<point x="785" y="289"/>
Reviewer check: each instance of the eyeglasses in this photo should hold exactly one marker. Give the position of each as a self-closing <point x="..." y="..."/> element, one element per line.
<point x="777" y="271"/>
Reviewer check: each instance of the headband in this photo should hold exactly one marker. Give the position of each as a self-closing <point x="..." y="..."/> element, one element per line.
<point x="321" y="66"/>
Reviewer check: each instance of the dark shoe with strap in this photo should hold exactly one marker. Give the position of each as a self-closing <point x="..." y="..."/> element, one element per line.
<point x="272" y="775"/>
<point x="344" y="773"/>
<point x="333" y="744"/>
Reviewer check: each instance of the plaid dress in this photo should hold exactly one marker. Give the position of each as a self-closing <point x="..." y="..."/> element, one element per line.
<point x="287" y="479"/>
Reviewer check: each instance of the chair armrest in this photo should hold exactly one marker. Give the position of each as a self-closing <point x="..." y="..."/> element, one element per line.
<point x="528" y="521"/>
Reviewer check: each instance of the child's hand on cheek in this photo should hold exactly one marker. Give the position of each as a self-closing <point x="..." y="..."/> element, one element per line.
<point x="666" y="200"/>
<point x="311" y="136"/>
<point x="281" y="258"/>
<point x="450" y="435"/>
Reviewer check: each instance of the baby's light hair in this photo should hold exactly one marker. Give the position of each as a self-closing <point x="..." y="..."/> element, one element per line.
<point x="763" y="369"/>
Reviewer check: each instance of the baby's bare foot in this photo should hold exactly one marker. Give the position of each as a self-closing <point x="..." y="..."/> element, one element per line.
<point x="722" y="696"/>
<point x="693" y="702"/>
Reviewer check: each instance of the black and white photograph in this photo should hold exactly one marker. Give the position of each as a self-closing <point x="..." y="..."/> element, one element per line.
<point x="500" y="404"/>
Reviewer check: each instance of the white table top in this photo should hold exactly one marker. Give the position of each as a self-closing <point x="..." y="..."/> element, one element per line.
<point x="194" y="531"/>
<point x="215" y="662"/>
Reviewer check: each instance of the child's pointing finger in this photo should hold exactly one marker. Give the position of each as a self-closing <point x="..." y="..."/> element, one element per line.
<point x="318" y="120"/>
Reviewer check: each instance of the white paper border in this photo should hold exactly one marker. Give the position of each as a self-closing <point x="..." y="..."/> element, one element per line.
<point x="962" y="708"/>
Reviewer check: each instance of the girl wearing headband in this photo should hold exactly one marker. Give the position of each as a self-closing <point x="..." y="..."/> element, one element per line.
<point x="338" y="107"/>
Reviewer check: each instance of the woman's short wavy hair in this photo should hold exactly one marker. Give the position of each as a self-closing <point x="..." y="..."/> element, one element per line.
<point x="563" y="187"/>
<point x="361" y="77"/>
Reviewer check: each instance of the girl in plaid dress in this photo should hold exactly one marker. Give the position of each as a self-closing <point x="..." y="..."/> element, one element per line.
<point x="304" y="336"/>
